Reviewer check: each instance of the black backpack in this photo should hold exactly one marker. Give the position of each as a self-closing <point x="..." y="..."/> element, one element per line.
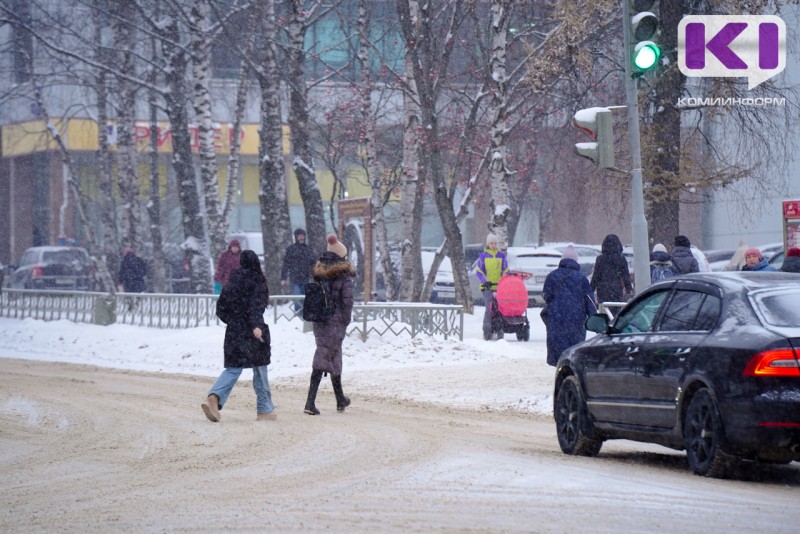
<point x="318" y="305"/>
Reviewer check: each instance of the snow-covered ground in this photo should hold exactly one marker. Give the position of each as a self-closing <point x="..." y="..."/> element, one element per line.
<point x="487" y="375"/>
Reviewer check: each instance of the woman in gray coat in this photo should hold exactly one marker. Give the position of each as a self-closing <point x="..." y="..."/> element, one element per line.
<point x="329" y="335"/>
<point x="241" y="307"/>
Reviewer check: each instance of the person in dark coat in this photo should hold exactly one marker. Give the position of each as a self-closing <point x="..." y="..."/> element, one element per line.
<point x="569" y="302"/>
<point x="132" y="270"/>
<point x="754" y="261"/>
<point x="791" y="263"/>
<point x="247" y="342"/>
<point x="227" y="263"/>
<point x="611" y="278"/>
<point x="297" y="265"/>
<point x="329" y="335"/>
<point x="682" y="258"/>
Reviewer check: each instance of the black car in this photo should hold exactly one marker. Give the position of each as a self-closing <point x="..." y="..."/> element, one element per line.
<point x="707" y="362"/>
<point x="55" y="267"/>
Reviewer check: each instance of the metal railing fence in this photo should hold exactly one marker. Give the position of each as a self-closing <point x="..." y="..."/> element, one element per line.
<point x="162" y="310"/>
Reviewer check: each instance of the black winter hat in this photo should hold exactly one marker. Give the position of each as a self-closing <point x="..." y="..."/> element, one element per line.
<point x="682" y="241"/>
<point x="299" y="231"/>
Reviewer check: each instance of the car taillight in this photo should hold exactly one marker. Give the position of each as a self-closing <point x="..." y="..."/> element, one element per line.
<point x="776" y="362"/>
<point x="37" y="271"/>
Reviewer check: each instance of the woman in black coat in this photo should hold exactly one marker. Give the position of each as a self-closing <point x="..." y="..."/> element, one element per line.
<point x="611" y="278"/>
<point x="241" y="306"/>
<point x="329" y="335"/>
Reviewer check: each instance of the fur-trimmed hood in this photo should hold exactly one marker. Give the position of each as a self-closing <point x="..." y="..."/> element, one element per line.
<point x="332" y="266"/>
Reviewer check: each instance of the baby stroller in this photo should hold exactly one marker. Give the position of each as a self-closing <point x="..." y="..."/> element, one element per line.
<point x="510" y="306"/>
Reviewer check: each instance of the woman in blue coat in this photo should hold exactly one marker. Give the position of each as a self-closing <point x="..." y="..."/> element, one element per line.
<point x="569" y="301"/>
<point x="754" y="261"/>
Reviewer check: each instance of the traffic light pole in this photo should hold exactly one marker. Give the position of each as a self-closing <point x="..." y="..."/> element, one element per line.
<point x="641" y="248"/>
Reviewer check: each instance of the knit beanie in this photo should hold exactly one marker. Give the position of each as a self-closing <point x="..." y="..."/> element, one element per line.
<point x="569" y="253"/>
<point x="793" y="252"/>
<point x="491" y="238"/>
<point x="682" y="241"/>
<point x="659" y="248"/>
<point x="336" y="246"/>
<point x="753" y="250"/>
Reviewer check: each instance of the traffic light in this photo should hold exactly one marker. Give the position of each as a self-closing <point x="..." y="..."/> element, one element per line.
<point x="643" y="22"/>
<point x="599" y="124"/>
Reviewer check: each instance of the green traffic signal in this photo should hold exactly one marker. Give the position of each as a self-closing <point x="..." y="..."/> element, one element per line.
<point x="646" y="55"/>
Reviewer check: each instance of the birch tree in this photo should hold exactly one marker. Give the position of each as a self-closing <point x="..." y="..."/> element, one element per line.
<point x="499" y="202"/>
<point x="374" y="171"/>
<point x="105" y="184"/>
<point x="412" y="190"/>
<point x="200" y="46"/>
<point x="128" y="182"/>
<point x="301" y="14"/>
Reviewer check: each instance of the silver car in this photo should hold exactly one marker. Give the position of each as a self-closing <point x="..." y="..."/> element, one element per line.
<point x="536" y="261"/>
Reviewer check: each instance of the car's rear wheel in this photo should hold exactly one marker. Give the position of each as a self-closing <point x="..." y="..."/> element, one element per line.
<point x="572" y="421"/>
<point x="704" y="437"/>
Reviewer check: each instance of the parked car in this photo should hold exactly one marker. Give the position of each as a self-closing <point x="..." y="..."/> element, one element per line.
<point x="587" y="255"/>
<point x="249" y="241"/>
<point x="718" y="260"/>
<point x="54" y="267"/>
<point x="538" y="262"/>
<point x="444" y="287"/>
<point x="706" y="362"/>
<point x="777" y="259"/>
<point x="770" y="248"/>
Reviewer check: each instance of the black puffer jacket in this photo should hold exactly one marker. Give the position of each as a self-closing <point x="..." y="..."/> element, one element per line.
<point x="791" y="264"/>
<point x="329" y="335"/>
<point x="611" y="277"/>
<point x="249" y="296"/>
<point x="684" y="261"/>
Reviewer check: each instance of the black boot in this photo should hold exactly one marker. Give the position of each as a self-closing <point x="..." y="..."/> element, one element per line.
<point x="316" y="378"/>
<point x="342" y="402"/>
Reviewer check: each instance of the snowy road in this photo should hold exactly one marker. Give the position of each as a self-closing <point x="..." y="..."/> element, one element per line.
<point x="101" y="450"/>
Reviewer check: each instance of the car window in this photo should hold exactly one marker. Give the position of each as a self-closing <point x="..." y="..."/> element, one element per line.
<point x="28" y="258"/>
<point x="709" y="313"/>
<point x="64" y="256"/>
<point x="780" y="308"/>
<point x="688" y="311"/>
<point x="534" y="262"/>
<point x="640" y="317"/>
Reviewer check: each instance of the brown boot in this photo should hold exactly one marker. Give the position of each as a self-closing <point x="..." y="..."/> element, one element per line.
<point x="211" y="408"/>
<point x="271" y="416"/>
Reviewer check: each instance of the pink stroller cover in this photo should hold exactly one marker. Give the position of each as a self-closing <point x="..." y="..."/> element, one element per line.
<point x="511" y="295"/>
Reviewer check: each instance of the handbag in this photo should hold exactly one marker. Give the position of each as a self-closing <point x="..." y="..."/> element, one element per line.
<point x="543" y="313"/>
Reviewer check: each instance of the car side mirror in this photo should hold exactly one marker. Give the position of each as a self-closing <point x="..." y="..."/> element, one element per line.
<point x="597" y="323"/>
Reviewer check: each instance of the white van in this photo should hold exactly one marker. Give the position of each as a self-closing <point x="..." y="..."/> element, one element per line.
<point x="249" y="241"/>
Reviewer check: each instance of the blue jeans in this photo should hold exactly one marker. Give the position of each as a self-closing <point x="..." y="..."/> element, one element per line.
<point x="224" y="384"/>
<point x="298" y="289"/>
